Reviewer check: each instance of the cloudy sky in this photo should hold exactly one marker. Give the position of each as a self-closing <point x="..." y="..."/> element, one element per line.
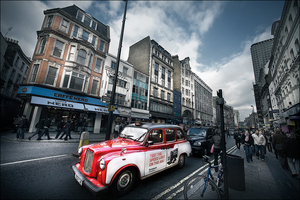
<point x="216" y="35"/>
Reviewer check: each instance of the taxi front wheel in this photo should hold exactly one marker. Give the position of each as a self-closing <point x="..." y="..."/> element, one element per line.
<point x="181" y="161"/>
<point x="124" y="182"/>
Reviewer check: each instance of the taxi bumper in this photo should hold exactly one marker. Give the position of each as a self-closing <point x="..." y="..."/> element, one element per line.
<point x="83" y="181"/>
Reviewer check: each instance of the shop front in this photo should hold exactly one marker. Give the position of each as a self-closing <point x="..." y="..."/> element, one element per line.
<point x="42" y="102"/>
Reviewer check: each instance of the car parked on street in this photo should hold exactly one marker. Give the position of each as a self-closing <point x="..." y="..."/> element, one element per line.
<point x="140" y="151"/>
<point x="199" y="138"/>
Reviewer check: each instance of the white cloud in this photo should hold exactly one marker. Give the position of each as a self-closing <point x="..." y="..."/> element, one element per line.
<point x="235" y="77"/>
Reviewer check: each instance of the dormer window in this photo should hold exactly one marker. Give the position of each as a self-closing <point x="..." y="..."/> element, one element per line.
<point x="79" y="16"/>
<point x="49" y="21"/>
<point x="87" y="20"/>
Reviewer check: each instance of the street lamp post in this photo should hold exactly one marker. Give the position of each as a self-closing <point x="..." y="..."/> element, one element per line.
<point x="112" y="98"/>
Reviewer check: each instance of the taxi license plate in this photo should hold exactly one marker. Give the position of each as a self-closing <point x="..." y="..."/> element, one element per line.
<point x="78" y="180"/>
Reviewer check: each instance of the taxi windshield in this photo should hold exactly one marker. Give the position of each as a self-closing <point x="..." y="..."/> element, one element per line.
<point x="134" y="133"/>
<point x="196" y="132"/>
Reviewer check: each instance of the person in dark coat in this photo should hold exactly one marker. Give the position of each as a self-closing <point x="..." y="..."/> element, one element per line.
<point x="277" y="142"/>
<point x="248" y="144"/>
<point x="67" y="131"/>
<point x="47" y="124"/>
<point x="22" y="126"/>
<point x="60" y="127"/>
<point x="237" y="138"/>
<point x="39" y="127"/>
<point x="291" y="150"/>
<point x="216" y="140"/>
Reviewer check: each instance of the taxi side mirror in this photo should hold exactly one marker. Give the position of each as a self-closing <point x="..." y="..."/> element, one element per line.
<point x="150" y="143"/>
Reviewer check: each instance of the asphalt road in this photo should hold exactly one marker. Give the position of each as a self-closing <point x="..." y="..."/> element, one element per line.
<point x="42" y="171"/>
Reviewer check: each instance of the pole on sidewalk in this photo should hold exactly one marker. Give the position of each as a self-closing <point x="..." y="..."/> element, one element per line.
<point x="220" y="101"/>
<point x="112" y="98"/>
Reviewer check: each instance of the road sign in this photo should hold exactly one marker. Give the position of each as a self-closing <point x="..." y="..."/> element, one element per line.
<point x="111" y="108"/>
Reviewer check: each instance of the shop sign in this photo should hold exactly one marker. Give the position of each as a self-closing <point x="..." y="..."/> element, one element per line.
<point x="139" y="115"/>
<point x="99" y="109"/>
<point x="124" y="112"/>
<point x="56" y="103"/>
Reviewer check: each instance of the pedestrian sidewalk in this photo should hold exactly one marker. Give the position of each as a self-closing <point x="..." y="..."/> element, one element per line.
<point x="266" y="179"/>
<point x="94" y="138"/>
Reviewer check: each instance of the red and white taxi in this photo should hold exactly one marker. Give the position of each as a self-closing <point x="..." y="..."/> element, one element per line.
<point x="140" y="151"/>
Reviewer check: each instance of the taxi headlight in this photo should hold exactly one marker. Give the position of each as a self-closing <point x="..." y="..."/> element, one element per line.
<point x="197" y="143"/>
<point x="80" y="150"/>
<point x="102" y="164"/>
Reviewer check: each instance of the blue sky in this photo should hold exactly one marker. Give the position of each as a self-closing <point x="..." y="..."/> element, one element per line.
<point x="216" y="35"/>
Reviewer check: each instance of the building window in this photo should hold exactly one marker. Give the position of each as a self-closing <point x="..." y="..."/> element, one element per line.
<point x="22" y="66"/>
<point x="94" y="24"/>
<point x="162" y="94"/>
<point x="81" y="56"/>
<point x="72" y="53"/>
<point x="95" y="86"/>
<point x="49" y="21"/>
<point x="34" y="72"/>
<point x="26" y="70"/>
<point x="155" y="92"/>
<point x="94" y="40"/>
<point x="75" y="32"/>
<point x="18" y="79"/>
<point x="98" y="65"/>
<point x="17" y="61"/>
<point x="74" y="81"/>
<point x="57" y="51"/>
<point x="42" y="46"/>
<point x="64" y="26"/>
<point x="87" y="20"/>
<point x="125" y="70"/>
<point x="90" y="61"/>
<point x="169" y="79"/>
<point x="113" y="65"/>
<point x="163" y="73"/>
<point x="51" y="76"/>
<point x="79" y="16"/>
<point x="169" y="96"/>
<point x="101" y="46"/>
<point x="85" y="35"/>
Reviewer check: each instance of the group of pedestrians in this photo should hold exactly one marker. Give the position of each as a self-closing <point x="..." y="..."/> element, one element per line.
<point x="286" y="147"/>
<point x="42" y="128"/>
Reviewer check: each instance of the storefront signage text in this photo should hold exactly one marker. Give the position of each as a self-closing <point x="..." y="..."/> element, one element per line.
<point x="70" y="97"/>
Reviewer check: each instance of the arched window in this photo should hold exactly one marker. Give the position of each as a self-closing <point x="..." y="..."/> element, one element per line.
<point x="81" y="56"/>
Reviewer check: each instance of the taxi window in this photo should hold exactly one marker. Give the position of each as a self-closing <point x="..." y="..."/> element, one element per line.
<point x="179" y="134"/>
<point x="170" y="135"/>
<point x="156" y="136"/>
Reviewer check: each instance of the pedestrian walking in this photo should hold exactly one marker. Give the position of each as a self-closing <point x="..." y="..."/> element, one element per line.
<point x="248" y="144"/>
<point x="216" y="140"/>
<point x="39" y="128"/>
<point x="67" y="131"/>
<point x="228" y="134"/>
<point x="291" y="149"/>
<point x="237" y="138"/>
<point x="256" y="147"/>
<point x="261" y="145"/>
<point x="117" y="129"/>
<point x="47" y="124"/>
<point x="277" y="142"/>
<point x="22" y="126"/>
<point x="60" y="127"/>
<point x="16" y="122"/>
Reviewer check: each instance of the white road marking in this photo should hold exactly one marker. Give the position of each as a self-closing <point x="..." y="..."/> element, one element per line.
<point x="183" y="180"/>
<point x="24" y="161"/>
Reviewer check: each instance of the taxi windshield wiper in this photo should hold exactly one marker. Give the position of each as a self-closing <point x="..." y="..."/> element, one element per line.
<point x="137" y="139"/>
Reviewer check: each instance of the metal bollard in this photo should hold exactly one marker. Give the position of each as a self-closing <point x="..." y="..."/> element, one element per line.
<point x="84" y="139"/>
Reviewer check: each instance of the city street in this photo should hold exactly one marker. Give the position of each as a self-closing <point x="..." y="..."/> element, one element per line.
<point x="34" y="170"/>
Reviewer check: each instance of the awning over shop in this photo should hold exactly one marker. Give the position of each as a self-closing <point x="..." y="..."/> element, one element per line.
<point x="69" y="105"/>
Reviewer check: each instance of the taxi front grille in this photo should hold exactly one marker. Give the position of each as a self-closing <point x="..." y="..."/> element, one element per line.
<point x="88" y="161"/>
